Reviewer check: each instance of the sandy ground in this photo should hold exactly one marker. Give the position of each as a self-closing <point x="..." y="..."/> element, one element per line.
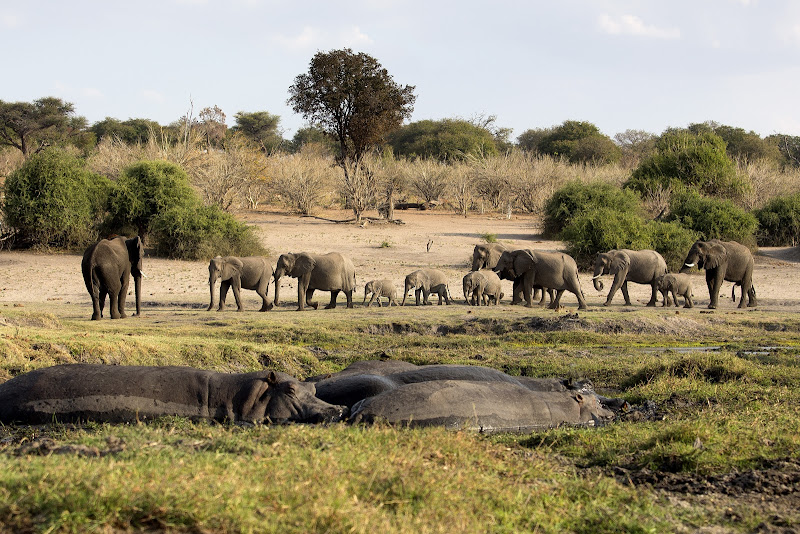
<point x="377" y="250"/>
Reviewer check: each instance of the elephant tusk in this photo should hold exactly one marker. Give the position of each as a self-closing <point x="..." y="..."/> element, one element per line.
<point x="689" y="264"/>
<point x="595" y="277"/>
<point x="143" y="275"/>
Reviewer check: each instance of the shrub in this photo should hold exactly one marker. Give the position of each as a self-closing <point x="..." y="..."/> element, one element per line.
<point x="604" y="229"/>
<point x="577" y="198"/>
<point x="145" y="189"/>
<point x="672" y="241"/>
<point x="713" y="218"/>
<point x="779" y="222"/>
<point x="686" y="160"/>
<point x="54" y="200"/>
<point x="195" y="232"/>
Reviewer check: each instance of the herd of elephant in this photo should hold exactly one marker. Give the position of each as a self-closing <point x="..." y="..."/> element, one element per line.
<point x="108" y="265"/>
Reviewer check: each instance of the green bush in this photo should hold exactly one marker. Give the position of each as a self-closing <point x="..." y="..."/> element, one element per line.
<point x="779" y="222"/>
<point x="196" y="232"/>
<point x="145" y="189"/>
<point x="54" y="200"/>
<point x="577" y="198"/>
<point x="686" y="160"/>
<point x="672" y="241"/>
<point x="713" y="218"/>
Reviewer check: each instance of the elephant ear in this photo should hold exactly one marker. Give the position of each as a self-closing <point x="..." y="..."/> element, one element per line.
<point x="236" y="262"/>
<point x="231" y="265"/>
<point x="523" y="261"/>
<point x="620" y="262"/>
<point x="135" y="251"/>
<point x="303" y="265"/>
<point x="715" y="257"/>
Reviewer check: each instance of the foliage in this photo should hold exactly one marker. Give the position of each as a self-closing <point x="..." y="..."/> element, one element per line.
<point x="740" y="144"/>
<point x="146" y="189"/>
<point x="489" y="237"/>
<point x="212" y="127"/>
<point x="428" y="178"/>
<point x="301" y="180"/>
<point x="635" y="146"/>
<point x="131" y="131"/>
<point x="671" y="240"/>
<point x="311" y="135"/>
<point x="687" y="160"/>
<point x="579" y="142"/>
<point x="195" y="232"/>
<point x="788" y="146"/>
<point x="354" y="99"/>
<point x="530" y="140"/>
<point x="54" y="200"/>
<point x="713" y="218"/>
<point x="261" y="127"/>
<point x="576" y="198"/>
<point x="779" y="222"/>
<point x="33" y="126"/>
<point x="226" y="176"/>
<point x="443" y="140"/>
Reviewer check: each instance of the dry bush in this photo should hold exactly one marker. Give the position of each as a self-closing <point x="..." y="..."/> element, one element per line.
<point x="111" y="155"/>
<point x="11" y="159"/>
<point x="461" y="187"/>
<point x="767" y="181"/>
<point x="226" y="177"/>
<point x="391" y="177"/>
<point x="538" y="177"/>
<point x="303" y="180"/>
<point x="495" y="178"/>
<point x="428" y="178"/>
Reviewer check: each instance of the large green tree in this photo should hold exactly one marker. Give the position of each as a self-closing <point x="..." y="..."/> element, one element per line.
<point x="33" y="126"/>
<point x="444" y="140"/>
<point x="576" y="141"/>
<point x="261" y="127"/>
<point x="354" y="99"/>
<point x="131" y="131"/>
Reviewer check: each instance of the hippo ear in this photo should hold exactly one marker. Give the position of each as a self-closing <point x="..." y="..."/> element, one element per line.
<point x="303" y="265"/>
<point x="272" y="378"/>
<point x="619" y="262"/>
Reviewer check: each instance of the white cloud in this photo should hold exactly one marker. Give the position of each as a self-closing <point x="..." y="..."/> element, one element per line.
<point x="152" y="96"/>
<point x="92" y="92"/>
<point x="9" y="20"/>
<point x="313" y="38"/>
<point x="633" y="25"/>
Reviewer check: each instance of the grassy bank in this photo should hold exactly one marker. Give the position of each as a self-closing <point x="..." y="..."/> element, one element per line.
<point x="715" y="415"/>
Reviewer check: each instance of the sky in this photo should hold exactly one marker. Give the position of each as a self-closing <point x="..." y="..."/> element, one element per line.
<point x="619" y="64"/>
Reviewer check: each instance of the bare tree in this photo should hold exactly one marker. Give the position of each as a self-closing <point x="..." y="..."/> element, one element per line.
<point x="428" y="178"/>
<point x="302" y="180"/>
<point x="223" y="175"/>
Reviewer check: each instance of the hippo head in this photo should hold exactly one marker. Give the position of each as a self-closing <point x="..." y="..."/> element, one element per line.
<point x="592" y="409"/>
<point x="280" y="398"/>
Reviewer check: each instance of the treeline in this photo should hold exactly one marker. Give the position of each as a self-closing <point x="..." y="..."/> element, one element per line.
<point x="706" y="180"/>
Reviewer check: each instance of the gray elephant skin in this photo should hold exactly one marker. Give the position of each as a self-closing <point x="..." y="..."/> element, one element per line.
<point x="461" y="396"/>
<point x="676" y="284"/>
<point x="325" y="272"/>
<point x="482" y="287"/>
<point x="424" y="282"/>
<point x="552" y="270"/>
<point x="380" y="288"/>
<point x="250" y="272"/>
<point x="485" y="255"/>
<point x="127" y="394"/>
<point x="637" y="266"/>
<point x="723" y="261"/>
<point x="107" y="267"/>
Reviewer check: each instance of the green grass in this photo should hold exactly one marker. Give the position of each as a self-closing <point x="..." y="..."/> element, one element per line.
<point x="488" y="237"/>
<point x="721" y="412"/>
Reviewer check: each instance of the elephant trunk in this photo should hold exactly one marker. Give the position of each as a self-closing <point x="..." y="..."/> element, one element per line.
<point x="277" y="277"/>
<point x="212" y="279"/>
<point x="598" y="284"/>
<point x="137" y="287"/>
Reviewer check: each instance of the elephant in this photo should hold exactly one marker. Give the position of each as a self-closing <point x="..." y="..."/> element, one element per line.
<point x="485" y="256"/>
<point x="252" y="272"/>
<point x="107" y="267"/>
<point x="677" y="284"/>
<point x="553" y="270"/>
<point x="482" y="287"/>
<point x="326" y="272"/>
<point x="723" y="260"/>
<point x="637" y="266"/>
<point x="427" y="281"/>
<point x="129" y="394"/>
<point x="380" y="288"/>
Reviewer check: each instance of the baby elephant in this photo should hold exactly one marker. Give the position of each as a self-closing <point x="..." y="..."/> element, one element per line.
<point x="380" y="288"/>
<point x="424" y="282"/>
<point x="677" y="284"/>
<point x="482" y="287"/>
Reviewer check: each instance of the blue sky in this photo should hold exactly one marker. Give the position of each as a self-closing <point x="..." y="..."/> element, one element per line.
<point x="626" y="64"/>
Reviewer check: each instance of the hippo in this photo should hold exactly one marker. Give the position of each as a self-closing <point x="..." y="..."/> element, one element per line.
<point x="367" y="382"/>
<point x="125" y="394"/>
<point x="485" y="407"/>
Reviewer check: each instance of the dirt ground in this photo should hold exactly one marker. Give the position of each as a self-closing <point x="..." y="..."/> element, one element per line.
<point x="377" y="250"/>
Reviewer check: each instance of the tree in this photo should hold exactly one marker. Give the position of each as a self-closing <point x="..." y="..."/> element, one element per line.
<point x="53" y="199"/>
<point x="579" y="142"/>
<point x="353" y="98"/>
<point x="740" y="144"/>
<point x="261" y="127"/>
<point x="212" y="126"/>
<point x="32" y="127"/>
<point x="131" y="131"/>
<point x="531" y="140"/>
<point x="444" y="140"/>
<point x="635" y="146"/>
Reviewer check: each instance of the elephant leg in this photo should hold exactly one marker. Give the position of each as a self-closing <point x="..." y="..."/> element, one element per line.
<point x="619" y="282"/>
<point x="123" y="294"/>
<point x="653" y="295"/>
<point x="556" y="304"/>
<point x="714" y="282"/>
<point x="237" y="294"/>
<point x="332" y="304"/>
<point x="223" y="293"/>
<point x="301" y="294"/>
<point x="308" y="296"/>
<point x="266" y="305"/>
<point x="625" y="293"/>
<point x="113" y="304"/>
<point x="371" y="298"/>
<point x="517" y="292"/>
<point x="574" y="286"/>
<point x="687" y="298"/>
<point x="426" y="297"/>
<point x="528" y="283"/>
<point x="751" y="297"/>
<point x="348" y="294"/>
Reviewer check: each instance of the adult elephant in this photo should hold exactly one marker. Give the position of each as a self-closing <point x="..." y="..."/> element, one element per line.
<point x="326" y="272"/>
<point x="485" y="256"/>
<point x="107" y="267"/>
<point x="553" y="270"/>
<point x="425" y="282"/>
<point x="637" y="266"/>
<point x="723" y="260"/>
<point x="250" y="272"/>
